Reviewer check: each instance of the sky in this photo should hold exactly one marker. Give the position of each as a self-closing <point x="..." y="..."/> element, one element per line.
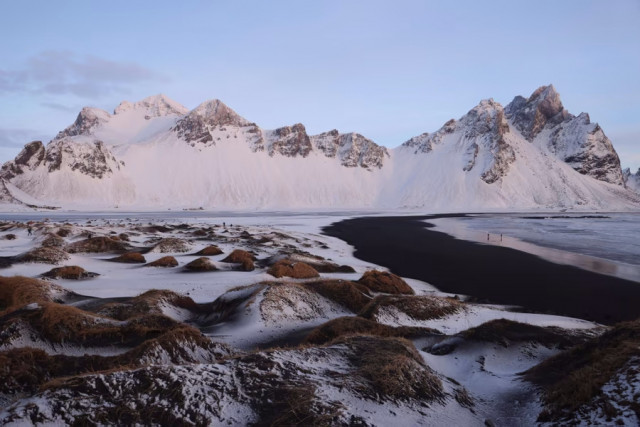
<point x="389" y="70"/>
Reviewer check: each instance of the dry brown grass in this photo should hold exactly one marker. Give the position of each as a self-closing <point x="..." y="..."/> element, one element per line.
<point x="576" y="376"/>
<point x="18" y="291"/>
<point x="53" y="241"/>
<point x="504" y="332"/>
<point x="130" y="258"/>
<point x="388" y="283"/>
<point x="296" y="270"/>
<point x="59" y="323"/>
<point x="28" y="369"/>
<point x="97" y="245"/>
<point x="244" y="258"/>
<point x="44" y="256"/>
<point x="393" y="368"/>
<point x="63" y="231"/>
<point x="71" y="272"/>
<point x="351" y="295"/>
<point x="200" y="264"/>
<point x="210" y="250"/>
<point x="147" y="303"/>
<point x="417" y="307"/>
<point x="171" y="244"/>
<point x="346" y="326"/>
<point x="165" y="261"/>
<point x="330" y="267"/>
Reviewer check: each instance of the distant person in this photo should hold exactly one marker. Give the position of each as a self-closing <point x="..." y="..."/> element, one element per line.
<point x="30" y="231"/>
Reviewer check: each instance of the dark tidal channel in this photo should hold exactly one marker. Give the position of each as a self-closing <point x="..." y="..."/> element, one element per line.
<point x="492" y="274"/>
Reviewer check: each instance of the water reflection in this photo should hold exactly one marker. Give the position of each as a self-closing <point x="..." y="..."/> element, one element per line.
<point x="459" y="229"/>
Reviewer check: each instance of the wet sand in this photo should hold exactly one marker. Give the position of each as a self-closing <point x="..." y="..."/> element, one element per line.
<point x="491" y="274"/>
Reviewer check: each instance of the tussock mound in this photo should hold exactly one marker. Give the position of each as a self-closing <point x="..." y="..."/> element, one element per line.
<point x="244" y="258"/>
<point x="71" y="272"/>
<point x="283" y="387"/>
<point x="171" y="245"/>
<point x="505" y="332"/>
<point x="165" y="261"/>
<point x="28" y="369"/>
<point x="388" y="283"/>
<point x="210" y="250"/>
<point x="200" y="264"/>
<point x="573" y="380"/>
<point x="154" y="229"/>
<point x="64" y="231"/>
<point x="18" y="291"/>
<point x="10" y="236"/>
<point x="44" y="255"/>
<point x="392" y="367"/>
<point x="346" y="326"/>
<point x="351" y="295"/>
<point x="97" y="245"/>
<point x="400" y="309"/>
<point x="151" y="302"/>
<point x="53" y="241"/>
<point x="285" y="302"/>
<point x="296" y="270"/>
<point x="62" y="324"/>
<point x="130" y="258"/>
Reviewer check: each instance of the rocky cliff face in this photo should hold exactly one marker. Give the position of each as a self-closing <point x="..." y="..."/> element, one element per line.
<point x="200" y="122"/>
<point x="352" y="149"/>
<point x="543" y="120"/>
<point x="31" y="156"/>
<point x="542" y="108"/>
<point x="290" y="141"/>
<point x="480" y="134"/>
<point x="92" y="159"/>
<point x="86" y="122"/>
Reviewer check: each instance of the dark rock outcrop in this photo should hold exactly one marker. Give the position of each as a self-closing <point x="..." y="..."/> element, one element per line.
<point x="197" y="125"/>
<point x="290" y="141"/>
<point x="352" y="149"/>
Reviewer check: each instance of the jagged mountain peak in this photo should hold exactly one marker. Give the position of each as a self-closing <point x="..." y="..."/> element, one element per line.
<point x="216" y="112"/>
<point x="542" y="108"/>
<point x="154" y="106"/>
<point x="351" y="148"/>
<point x="196" y="126"/>
<point x="88" y="119"/>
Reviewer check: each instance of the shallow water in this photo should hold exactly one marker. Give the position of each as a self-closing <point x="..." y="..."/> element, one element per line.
<point x="607" y="243"/>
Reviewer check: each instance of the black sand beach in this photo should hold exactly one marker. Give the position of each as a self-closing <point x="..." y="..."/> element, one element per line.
<point x="491" y="274"/>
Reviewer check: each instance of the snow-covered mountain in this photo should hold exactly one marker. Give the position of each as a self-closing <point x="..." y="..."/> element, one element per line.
<point x="631" y="180"/>
<point x="156" y="154"/>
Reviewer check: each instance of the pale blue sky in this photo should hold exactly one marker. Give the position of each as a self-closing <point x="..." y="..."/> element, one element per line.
<point x="387" y="69"/>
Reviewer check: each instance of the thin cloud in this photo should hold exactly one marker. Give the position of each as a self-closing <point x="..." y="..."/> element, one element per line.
<point x="85" y="76"/>
<point x="15" y="138"/>
<point x="60" y="107"/>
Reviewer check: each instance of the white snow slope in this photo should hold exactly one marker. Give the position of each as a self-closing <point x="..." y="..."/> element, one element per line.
<point x="154" y="154"/>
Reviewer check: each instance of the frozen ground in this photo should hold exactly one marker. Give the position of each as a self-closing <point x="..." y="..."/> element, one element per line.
<point x="480" y="378"/>
<point x="607" y="243"/>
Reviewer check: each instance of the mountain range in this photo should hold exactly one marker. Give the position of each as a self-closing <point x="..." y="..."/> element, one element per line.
<point x="156" y="154"/>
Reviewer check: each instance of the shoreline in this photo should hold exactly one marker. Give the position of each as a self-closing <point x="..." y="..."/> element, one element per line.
<point x="410" y="247"/>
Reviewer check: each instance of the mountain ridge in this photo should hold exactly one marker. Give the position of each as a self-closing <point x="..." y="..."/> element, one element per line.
<point x="155" y="153"/>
